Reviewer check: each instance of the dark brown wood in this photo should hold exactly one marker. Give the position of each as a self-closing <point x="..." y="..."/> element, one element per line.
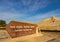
<point x="16" y="32"/>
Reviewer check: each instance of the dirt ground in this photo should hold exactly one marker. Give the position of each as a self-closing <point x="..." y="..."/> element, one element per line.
<point x="44" y="37"/>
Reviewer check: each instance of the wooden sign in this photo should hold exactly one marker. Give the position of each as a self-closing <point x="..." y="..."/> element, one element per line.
<point x="17" y="29"/>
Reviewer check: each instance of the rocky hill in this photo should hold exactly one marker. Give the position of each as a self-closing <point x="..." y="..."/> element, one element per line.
<point x="52" y="23"/>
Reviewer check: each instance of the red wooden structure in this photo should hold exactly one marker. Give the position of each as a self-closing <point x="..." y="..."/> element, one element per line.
<point x="17" y="29"/>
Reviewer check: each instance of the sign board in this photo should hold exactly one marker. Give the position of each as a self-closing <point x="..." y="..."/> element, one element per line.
<point x="17" y="29"/>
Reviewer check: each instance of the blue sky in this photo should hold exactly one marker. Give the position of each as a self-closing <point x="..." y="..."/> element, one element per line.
<point x="29" y="10"/>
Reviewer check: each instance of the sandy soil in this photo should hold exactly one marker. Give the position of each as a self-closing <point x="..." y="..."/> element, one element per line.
<point x="44" y="37"/>
<point x="30" y="38"/>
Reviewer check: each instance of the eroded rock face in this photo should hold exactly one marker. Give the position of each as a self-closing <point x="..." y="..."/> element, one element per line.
<point x="52" y="23"/>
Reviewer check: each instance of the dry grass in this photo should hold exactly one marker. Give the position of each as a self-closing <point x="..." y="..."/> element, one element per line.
<point x="4" y="34"/>
<point x="3" y="31"/>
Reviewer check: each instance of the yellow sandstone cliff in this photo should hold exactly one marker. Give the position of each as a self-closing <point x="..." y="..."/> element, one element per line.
<point x="52" y="23"/>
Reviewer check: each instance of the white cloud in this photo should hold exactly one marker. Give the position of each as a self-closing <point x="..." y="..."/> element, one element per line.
<point x="23" y="5"/>
<point x="10" y="16"/>
<point x="45" y="15"/>
<point x="33" y="5"/>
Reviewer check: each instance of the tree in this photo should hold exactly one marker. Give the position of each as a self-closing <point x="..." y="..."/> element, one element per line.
<point x="2" y="23"/>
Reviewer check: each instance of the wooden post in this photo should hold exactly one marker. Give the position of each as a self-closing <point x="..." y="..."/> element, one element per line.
<point x="37" y="30"/>
<point x="38" y="33"/>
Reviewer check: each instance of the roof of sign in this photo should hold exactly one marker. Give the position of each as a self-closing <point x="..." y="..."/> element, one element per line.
<point x="15" y="22"/>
